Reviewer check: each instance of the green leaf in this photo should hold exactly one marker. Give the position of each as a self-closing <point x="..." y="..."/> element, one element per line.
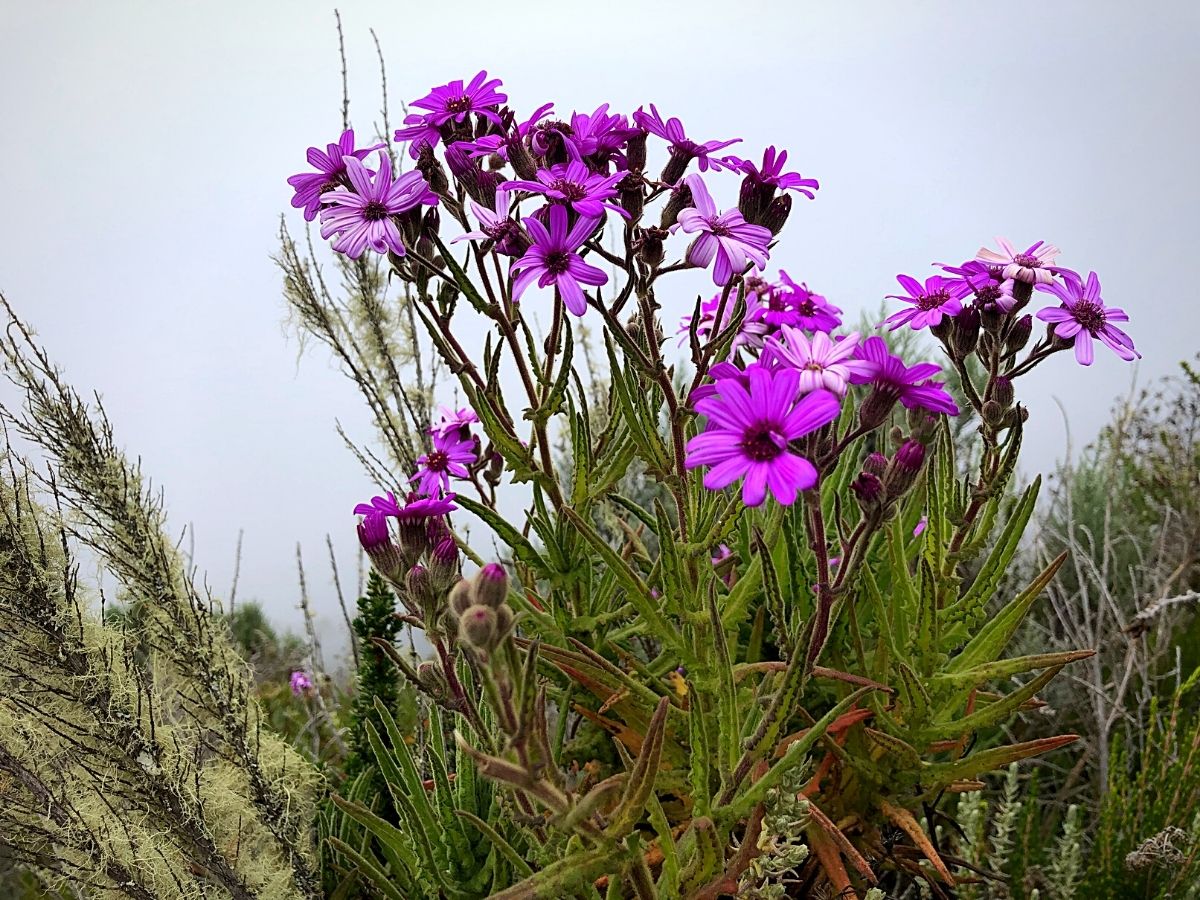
<point x="517" y="542"/>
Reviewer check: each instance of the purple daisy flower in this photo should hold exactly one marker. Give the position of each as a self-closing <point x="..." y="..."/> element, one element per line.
<point x="499" y="143"/>
<point x="988" y="283"/>
<point x="683" y="149"/>
<point x="331" y="173"/>
<point x="794" y="304"/>
<point x="750" y="429"/>
<point x="750" y="336"/>
<point x="911" y="385"/>
<point x="823" y="363"/>
<point x="497" y="226"/>
<point x="363" y="217"/>
<point x="936" y="298"/>
<point x="576" y="186"/>
<point x="1084" y="317"/>
<point x="552" y="259"/>
<point x="454" y="420"/>
<point x="599" y="135"/>
<point x="379" y="507"/>
<point x="300" y="683"/>
<point x="725" y="236"/>
<point x="1032" y="266"/>
<point x="451" y="454"/>
<point x="771" y="173"/>
<point x="457" y="101"/>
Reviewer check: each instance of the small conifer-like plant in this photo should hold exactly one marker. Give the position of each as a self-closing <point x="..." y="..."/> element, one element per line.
<point x="762" y="673"/>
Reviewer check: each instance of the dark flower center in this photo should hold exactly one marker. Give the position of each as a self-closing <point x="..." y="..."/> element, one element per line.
<point x="1089" y="315"/>
<point x="933" y="300"/>
<point x="988" y="294"/>
<point x="806" y="307"/>
<point x="762" y="443"/>
<point x="374" y="211"/>
<point x="571" y="190"/>
<point x="1027" y="260"/>
<point x="718" y="229"/>
<point x="436" y="461"/>
<point x="458" y="104"/>
<point x="558" y="262"/>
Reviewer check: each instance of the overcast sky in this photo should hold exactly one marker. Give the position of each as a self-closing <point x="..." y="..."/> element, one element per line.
<point x="144" y="147"/>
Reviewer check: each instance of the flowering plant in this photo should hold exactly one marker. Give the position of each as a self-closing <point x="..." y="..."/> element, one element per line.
<point x="803" y="619"/>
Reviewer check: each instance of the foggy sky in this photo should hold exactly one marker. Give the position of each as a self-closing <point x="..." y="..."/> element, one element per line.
<point x="144" y="149"/>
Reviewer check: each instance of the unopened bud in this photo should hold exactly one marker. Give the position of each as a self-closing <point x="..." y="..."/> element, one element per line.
<point x="633" y="195"/>
<point x="992" y="413"/>
<point x="904" y="468"/>
<point x="491" y="586"/>
<point x="460" y="597"/>
<point x="868" y="489"/>
<point x="428" y="165"/>
<point x="376" y="540"/>
<point x="1019" y="334"/>
<point x="1018" y="415"/>
<point x="942" y="329"/>
<point x="635" y="151"/>
<point x="478" y="627"/>
<point x="650" y="246"/>
<point x="876" y="464"/>
<point x="876" y="408"/>
<point x="991" y="317"/>
<point x="1022" y="291"/>
<point x="753" y="199"/>
<point x="522" y="160"/>
<point x="1002" y="391"/>
<point x="443" y="564"/>
<point x="433" y="679"/>
<point x="680" y="199"/>
<point x="480" y="185"/>
<point x="418" y="584"/>
<point x="777" y="213"/>
<point x="965" y="335"/>
<point x="675" y="166"/>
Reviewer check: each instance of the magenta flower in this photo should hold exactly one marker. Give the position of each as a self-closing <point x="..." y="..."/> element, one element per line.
<point x="1084" y="317"/>
<point x="330" y="164"/>
<point x="497" y="226"/>
<point x="457" y="101"/>
<point x="794" y="304"/>
<point x="599" y="135"/>
<point x="725" y="236"/>
<point x="749" y="336"/>
<point x="451" y="454"/>
<point x="416" y="508"/>
<point x="300" y="683"/>
<point x="379" y="507"/>
<point x="362" y="217"/>
<point x="936" y="298"/>
<point x="988" y="283"/>
<point x="823" y="363"/>
<point x="488" y="144"/>
<point x="672" y="132"/>
<point x="893" y="380"/>
<point x="1032" y="266"/>
<point x="771" y="173"/>
<point x="454" y="421"/>
<point x="750" y="429"/>
<point x="576" y="186"/>
<point x="552" y="259"/>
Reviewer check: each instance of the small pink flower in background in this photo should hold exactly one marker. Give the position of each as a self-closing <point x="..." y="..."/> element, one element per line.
<point x="1084" y="317"/>
<point x="921" y="526"/>
<point x="724" y="236"/>
<point x="301" y="684"/>
<point x="451" y="421"/>
<point x="794" y="304"/>
<point x="1033" y="266"/>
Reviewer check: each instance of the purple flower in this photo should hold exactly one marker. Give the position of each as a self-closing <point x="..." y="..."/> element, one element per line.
<point x="311" y="187"/>
<point x="1032" y="266"/>
<point x="822" y="362"/>
<point x="672" y="132"/>
<point x="451" y="454"/>
<point x="727" y="236"/>
<point x="988" y="284"/>
<point x="488" y="144"/>
<point x="415" y="509"/>
<point x="794" y="304"/>
<point x="362" y="217"/>
<point x="922" y="524"/>
<point x="576" y="186"/>
<point x="1084" y="317"/>
<point x="300" y="683"/>
<point x="454" y="421"/>
<point x="893" y="380"/>
<point x="936" y="298"/>
<point x="598" y="135"/>
<point x="750" y="429"/>
<point x="749" y="336"/>
<point x="552" y="259"/>
<point x="497" y="226"/>
<point x="457" y="101"/>
<point x="771" y="174"/>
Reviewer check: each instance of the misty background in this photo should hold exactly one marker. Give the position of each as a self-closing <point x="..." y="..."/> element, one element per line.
<point x="144" y="149"/>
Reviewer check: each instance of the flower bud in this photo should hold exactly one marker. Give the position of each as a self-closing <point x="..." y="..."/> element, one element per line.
<point x="942" y="329"/>
<point x="376" y="540"/>
<point x="477" y="627"/>
<point x="876" y="464"/>
<point x="1019" y="334"/>
<point x="1018" y="415"/>
<point x="633" y="195"/>
<point x="1002" y="391"/>
<point x="753" y="199"/>
<point x="460" y="598"/>
<point x="428" y="166"/>
<point x="965" y="335"/>
<point x="480" y="185"/>
<point x="992" y="413"/>
<point x="991" y="317"/>
<point x="680" y="199"/>
<point x="777" y="213"/>
<point x="675" y="166"/>
<point x="433" y="679"/>
<point x="522" y="160"/>
<point x="419" y="586"/>
<point x="1022" y="291"/>
<point x="491" y="586"/>
<point x="635" y="151"/>
<point x="649" y="245"/>
<point x="876" y="408"/>
<point x="443" y="564"/>
<point x="904" y="468"/>
<point x="868" y="489"/>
